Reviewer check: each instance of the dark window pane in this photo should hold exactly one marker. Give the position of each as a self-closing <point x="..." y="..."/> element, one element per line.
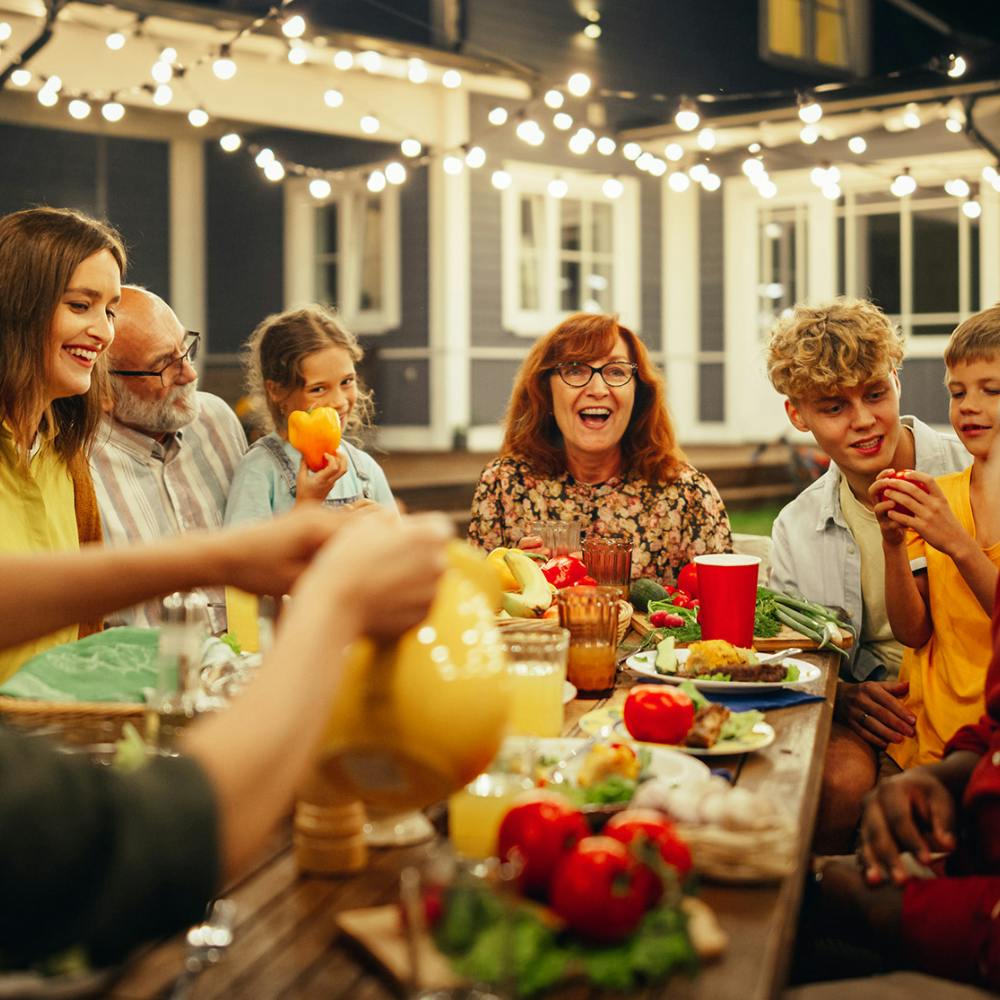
<point x="933" y="329"/>
<point x="326" y="283"/>
<point x="570" y="224"/>
<point x="878" y="260"/>
<point x="569" y="285"/>
<point x="711" y="392"/>
<point x="841" y="252"/>
<point x="974" y="265"/>
<point x="327" y="229"/>
<point x="935" y="261"/>
<point x="371" y="255"/>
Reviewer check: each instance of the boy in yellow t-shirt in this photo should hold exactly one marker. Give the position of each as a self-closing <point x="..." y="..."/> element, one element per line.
<point x="941" y="574"/>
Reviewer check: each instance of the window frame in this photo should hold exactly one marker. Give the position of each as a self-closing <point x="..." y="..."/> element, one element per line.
<point x="858" y="30"/>
<point x="302" y="224"/>
<point x="532" y="179"/>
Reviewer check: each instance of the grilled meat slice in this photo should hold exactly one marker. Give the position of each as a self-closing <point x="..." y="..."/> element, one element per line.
<point x="707" y="726"/>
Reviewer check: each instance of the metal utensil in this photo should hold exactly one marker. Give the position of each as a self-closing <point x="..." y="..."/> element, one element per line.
<point x="206" y="944"/>
<point x="780" y="655"/>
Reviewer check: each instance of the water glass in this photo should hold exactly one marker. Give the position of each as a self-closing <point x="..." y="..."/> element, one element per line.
<point x="536" y="667"/>
<point x="727" y="593"/>
<point x="591" y="616"/>
<point x="559" y="537"/>
<point x="475" y="812"/>
<point x="609" y="561"/>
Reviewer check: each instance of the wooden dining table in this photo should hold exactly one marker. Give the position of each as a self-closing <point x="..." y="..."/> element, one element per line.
<point x="287" y="943"/>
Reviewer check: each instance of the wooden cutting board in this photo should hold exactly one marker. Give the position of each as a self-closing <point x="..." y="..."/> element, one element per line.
<point x="786" y="639"/>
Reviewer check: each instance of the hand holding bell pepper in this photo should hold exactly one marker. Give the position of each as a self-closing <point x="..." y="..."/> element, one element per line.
<point x="315" y="434"/>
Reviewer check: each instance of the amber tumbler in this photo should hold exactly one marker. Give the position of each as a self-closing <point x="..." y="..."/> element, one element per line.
<point x="591" y="615"/>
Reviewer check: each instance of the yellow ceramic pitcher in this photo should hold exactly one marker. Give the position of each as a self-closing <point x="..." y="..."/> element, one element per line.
<point x="415" y="721"/>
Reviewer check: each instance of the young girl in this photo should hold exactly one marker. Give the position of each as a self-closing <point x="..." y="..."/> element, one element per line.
<point x="295" y="361"/>
<point x="60" y="281"/>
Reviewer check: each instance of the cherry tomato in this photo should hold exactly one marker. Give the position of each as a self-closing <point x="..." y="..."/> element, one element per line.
<point x="601" y="891"/>
<point x="539" y="830"/>
<point x="653" y="827"/>
<point x="681" y="600"/>
<point x="687" y="579"/>
<point x="658" y="713"/>
<point x="886" y="484"/>
<point x="665" y="619"/>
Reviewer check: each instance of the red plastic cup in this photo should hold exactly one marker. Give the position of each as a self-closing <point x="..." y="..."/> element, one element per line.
<point x="727" y="591"/>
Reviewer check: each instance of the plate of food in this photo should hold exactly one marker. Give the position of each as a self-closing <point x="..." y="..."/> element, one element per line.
<point x="716" y="665"/>
<point x="716" y="732"/>
<point x="599" y="771"/>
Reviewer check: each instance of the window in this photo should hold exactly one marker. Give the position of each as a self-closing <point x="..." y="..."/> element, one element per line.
<point x="825" y="34"/>
<point x="783" y="278"/>
<point x="344" y="251"/>
<point x="569" y="254"/>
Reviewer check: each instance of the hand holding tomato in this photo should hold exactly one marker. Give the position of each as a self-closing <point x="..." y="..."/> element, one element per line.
<point x="657" y="713"/>
<point x="890" y="479"/>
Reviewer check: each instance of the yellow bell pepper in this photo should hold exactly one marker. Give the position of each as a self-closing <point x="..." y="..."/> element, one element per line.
<point x="315" y="434"/>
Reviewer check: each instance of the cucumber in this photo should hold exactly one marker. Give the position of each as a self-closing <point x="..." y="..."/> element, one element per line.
<point x="643" y="591"/>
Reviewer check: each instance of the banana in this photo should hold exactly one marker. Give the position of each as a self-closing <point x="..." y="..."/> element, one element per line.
<point x="534" y="596"/>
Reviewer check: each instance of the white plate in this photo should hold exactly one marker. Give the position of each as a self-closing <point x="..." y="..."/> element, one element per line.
<point x="761" y="736"/>
<point x="643" y="663"/>
<point x="569" y="692"/>
<point x="665" y="762"/>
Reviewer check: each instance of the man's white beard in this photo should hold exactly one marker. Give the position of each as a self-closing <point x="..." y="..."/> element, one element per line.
<point x="176" y="410"/>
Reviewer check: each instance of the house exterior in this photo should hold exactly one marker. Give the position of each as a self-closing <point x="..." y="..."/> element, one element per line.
<point x="449" y="275"/>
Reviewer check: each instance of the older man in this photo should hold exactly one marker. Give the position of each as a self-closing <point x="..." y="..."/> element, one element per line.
<point x="164" y="460"/>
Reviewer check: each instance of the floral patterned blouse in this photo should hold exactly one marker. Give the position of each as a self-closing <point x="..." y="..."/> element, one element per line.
<point x="669" y="522"/>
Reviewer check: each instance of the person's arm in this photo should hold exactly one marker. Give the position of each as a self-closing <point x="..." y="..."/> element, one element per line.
<point x="256" y="752"/>
<point x="42" y="592"/>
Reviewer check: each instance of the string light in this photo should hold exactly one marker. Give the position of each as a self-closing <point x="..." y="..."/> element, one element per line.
<point x="343" y="60"/>
<point x="990" y="174"/>
<point x="115" y="41"/>
<point x="753" y="166"/>
<point x="169" y="55"/>
<point x="673" y="151"/>
<point x="679" y="182"/>
<point x="369" y="124"/>
<point x="274" y="171"/>
<point x="712" y="182"/>
<point x="370" y="61"/>
<point x="754" y="148"/>
<point x="113" y="111"/>
<point x="162" y="72"/>
<point x="606" y="145"/>
<point x="558" y="188"/>
<point x="658" y="167"/>
<point x="686" y="117"/>
<point x="410" y="147"/>
<point x="497" y="116"/>
<point x="297" y="54"/>
<point x="230" y="142"/>
<point x="333" y="98"/>
<point x="395" y="173"/>
<point x="903" y="184"/>
<point x="612" y="188"/>
<point x="79" y="108"/>
<point x="831" y="190"/>
<point x="451" y="78"/>
<point x="631" y="151"/>
<point x="319" y="188"/>
<point x="452" y="165"/>
<point x="416" y="71"/>
<point x="857" y="144"/>
<point x="956" y="68"/>
<point x="198" y="117"/>
<point x="21" y="77"/>
<point x="376" y="181"/>
<point x="530" y="132"/>
<point x="264" y="157"/>
<point x="578" y="84"/>
<point x="810" y="110"/>
<point x="592" y="30"/>
<point x="501" y="180"/>
<point x="768" y="189"/>
<point x="809" y="134"/>
<point x="643" y="160"/>
<point x="294" y="26"/>
<point x="957" y="187"/>
<point x="698" y="172"/>
<point x="953" y="124"/>
<point x="578" y="144"/>
<point x="475" y="157"/>
<point x="223" y="67"/>
<point x="48" y="98"/>
<point x="911" y="116"/>
<point x="706" y="139"/>
<point x="562" y="121"/>
<point x="972" y="209"/>
<point x="5" y="31"/>
<point x="554" y="99"/>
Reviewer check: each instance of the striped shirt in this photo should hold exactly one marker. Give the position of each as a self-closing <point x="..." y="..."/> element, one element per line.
<point x="147" y="489"/>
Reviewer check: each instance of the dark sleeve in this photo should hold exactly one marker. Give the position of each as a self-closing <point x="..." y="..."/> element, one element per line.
<point x="94" y="858"/>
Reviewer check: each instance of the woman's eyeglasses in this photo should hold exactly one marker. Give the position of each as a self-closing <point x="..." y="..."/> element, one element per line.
<point x="614" y="373"/>
<point x="189" y="355"/>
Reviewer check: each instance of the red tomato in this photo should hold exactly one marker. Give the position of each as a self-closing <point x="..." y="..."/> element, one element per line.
<point x="658" y="713"/>
<point x="601" y="891"/>
<point x="539" y="830"/>
<point x="687" y="580"/>
<point x="886" y="484"/>
<point x="653" y="827"/>
<point x="665" y="619"/>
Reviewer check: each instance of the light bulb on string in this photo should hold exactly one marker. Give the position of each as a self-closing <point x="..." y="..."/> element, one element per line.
<point x="113" y="111"/>
<point x="972" y="209"/>
<point x="5" y="31"/>
<point x="606" y="145"/>
<point x="578" y="84"/>
<point x="369" y="124"/>
<point x="809" y="134"/>
<point x="451" y="78"/>
<point x="578" y="144"/>
<point x="990" y="174"/>
<point x="198" y="117"/>
<point x="333" y="98"/>
<point x="376" y="181"/>
<point x="687" y="118"/>
<point x="417" y="71"/>
<point x="343" y="60"/>
<point x="497" y="116"/>
<point x="857" y="144"/>
<point x="370" y="61"/>
<point x="21" y="77"/>
<point x="631" y="151"/>
<point x="956" y="68"/>
<point x="264" y="157"/>
<point x="911" y="116"/>
<point x="679" y="181"/>
<point x="230" y="142"/>
<point x="47" y="98"/>
<point x="658" y="167"/>
<point x="411" y="147"/>
<point x="698" y="172"/>
<point x="953" y="124"/>
<point x="297" y="55"/>
<point x="903" y="185"/>
<point x="768" y="189"/>
<point x="612" y="188"/>
<point x="274" y="171"/>
<point x="475" y="157"/>
<point x="957" y="187"/>
<point x="593" y="31"/>
<point x="810" y="110"/>
<point x="395" y="172"/>
<point x="79" y="108"/>
<point x="452" y="165"/>
<point x="224" y="67"/>
<point x="562" y="121"/>
<point x="554" y="99"/>
<point x="818" y="175"/>
<point x="643" y="160"/>
<point x="752" y="166"/>
<point x="168" y="55"/>
<point x="294" y="26"/>
<point x="712" y="182"/>
<point x="673" y="151"/>
<point x="527" y="131"/>
<point x="501" y="180"/>
<point x="115" y="41"/>
<point x="706" y="139"/>
<point x="162" y="72"/>
<point x="319" y="188"/>
<point x="558" y="188"/>
<point x="831" y="190"/>
<point x="754" y="148"/>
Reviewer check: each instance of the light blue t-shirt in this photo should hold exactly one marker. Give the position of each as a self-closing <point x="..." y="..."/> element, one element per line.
<point x="263" y="484"/>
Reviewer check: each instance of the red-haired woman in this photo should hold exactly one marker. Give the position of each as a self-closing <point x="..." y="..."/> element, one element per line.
<point x="588" y="437"/>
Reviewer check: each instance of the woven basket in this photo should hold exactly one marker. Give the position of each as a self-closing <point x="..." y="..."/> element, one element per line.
<point x="744" y="856"/>
<point x="624" y="621"/>
<point x="74" y="721"/>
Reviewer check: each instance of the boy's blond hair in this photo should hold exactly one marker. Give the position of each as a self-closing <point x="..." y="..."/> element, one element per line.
<point x="976" y="339"/>
<point x="846" y="342"/>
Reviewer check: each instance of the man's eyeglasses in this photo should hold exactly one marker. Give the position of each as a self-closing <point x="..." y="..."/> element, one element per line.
<point x="189" y="355"/>
<point x="614" y="373"/>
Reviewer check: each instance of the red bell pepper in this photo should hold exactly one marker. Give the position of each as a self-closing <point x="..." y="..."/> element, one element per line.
<point x="564" y="571"/>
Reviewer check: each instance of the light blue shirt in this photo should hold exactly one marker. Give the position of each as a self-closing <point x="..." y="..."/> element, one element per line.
<point x="814" y="553"/>
<point x="260" y="486"/>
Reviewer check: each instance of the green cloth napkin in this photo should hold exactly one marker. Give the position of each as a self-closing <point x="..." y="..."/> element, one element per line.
<point x="113" y="665"/>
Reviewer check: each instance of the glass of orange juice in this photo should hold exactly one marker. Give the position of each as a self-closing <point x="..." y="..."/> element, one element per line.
<point x="536" y="668"/>
<point x="475" y="812"/>
<point x="591" y="616"/>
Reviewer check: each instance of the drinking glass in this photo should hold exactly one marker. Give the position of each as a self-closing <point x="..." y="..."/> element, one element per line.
<point x="475" y="811"/>
<point x="609" y="561"/>
<point x="591" y="616"/>
<point x="559" y="537"/>
<point x="727" y="593"/>
<point x="536" y="668"/>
